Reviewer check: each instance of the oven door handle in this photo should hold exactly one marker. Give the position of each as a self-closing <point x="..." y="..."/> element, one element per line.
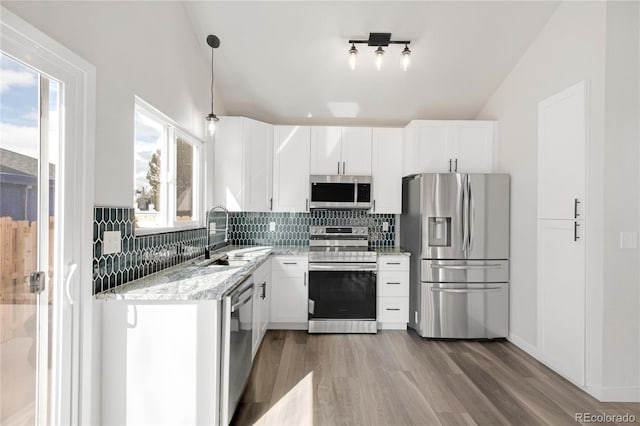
<point x="368" y="267"/>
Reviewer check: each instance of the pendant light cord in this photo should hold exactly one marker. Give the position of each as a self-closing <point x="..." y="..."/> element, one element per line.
<point x="212" y="80"/>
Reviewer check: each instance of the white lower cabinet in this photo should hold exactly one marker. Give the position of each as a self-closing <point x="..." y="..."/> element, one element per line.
<point x="162" y="364"/>
<point x="393" y="292"/>
<point x="289" y="292"/>
<point x="261" y="304"/>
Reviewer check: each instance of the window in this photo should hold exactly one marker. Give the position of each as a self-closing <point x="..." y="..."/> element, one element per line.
<point x="167" y="172"/>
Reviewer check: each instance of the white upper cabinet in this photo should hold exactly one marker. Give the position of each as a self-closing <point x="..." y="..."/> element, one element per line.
<point x="340" y="150"/>
<point x="326" y="150"/>
<point x="356" y="151"/>
<point x="243" y="164"/>
<point x="387" y="170"/>
<point x="562" y="151"/>
<point x="437" y="146"/>
<point x="291" y="156"/>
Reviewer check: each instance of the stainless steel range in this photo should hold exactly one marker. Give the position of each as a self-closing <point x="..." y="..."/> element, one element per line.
<point x="342" y="280"/>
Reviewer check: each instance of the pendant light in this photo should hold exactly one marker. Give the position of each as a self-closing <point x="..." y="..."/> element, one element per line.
<point x="211" y="118"/>
<point x="353" y="53"/>
<point x="379" y="53"/>
<point x="406" y="57"/>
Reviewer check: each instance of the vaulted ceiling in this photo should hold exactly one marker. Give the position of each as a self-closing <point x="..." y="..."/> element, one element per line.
<point x="283" y="61"/>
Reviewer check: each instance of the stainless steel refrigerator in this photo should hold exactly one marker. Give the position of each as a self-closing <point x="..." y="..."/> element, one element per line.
<point x="456" y="227"/>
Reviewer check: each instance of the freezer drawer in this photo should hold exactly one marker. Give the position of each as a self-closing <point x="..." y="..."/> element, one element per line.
<point x="465" y="271"/>
<point x="465" y="311"/>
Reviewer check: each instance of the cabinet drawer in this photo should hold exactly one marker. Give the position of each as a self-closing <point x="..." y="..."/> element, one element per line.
<point x="393" y="284"/>
<point x="393" y="263"/>
<point x="289" y="265"/>
<point x="393" y="309"/>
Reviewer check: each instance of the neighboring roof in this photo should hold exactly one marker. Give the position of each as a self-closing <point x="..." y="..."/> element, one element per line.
<point x="16" y="163"/>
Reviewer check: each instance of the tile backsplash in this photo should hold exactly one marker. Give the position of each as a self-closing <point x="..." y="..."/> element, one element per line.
<point x="140" y="255"/>
<point x="292" y="229"/>
<point x="145" y="254"/>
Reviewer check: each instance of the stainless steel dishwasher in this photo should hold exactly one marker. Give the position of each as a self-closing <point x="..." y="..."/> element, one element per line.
<point x="236" y="346"/>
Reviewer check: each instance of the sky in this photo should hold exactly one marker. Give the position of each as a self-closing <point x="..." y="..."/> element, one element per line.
<point x="19" y="110"/>
<point x="148" y="137"/>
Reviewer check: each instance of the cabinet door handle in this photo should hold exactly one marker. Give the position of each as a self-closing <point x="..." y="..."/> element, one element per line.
<point x="393" y="263"/>
<point x="338" y="167"/>
<point x="263" y="286"/>
<point x="374" y="206"/>
<point x="456" y="165"/>
<point x="575" y="208"/>
<point x="306" y="204"/>
<point x="289" y="263"/>
<point x="344" y="167"/>
<point x="270" y="204"/>
<point x="305" y="279"/>
<point x="392" y="309"/>
<point x="449" y="165"/>
<point x="575" y="231"/>
<point x="390" y="283"/>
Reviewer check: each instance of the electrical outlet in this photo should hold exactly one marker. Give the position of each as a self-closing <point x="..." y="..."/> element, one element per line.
<point x="272" y="226"/>
<point x="112" y="243"/>
<point x="628" y="240"/>
<point x="385" y="226"/>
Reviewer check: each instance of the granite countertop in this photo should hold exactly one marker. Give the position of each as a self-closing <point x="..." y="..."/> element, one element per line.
<point x="392" y="251"/>
<point x="194" y="280"/>
<point x="197" y="280"/>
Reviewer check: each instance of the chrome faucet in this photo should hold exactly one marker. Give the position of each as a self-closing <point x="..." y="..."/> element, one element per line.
<point x="207" y="248"/>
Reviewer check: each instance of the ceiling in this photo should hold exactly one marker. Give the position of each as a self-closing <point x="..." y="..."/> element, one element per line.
<point x="281" y="61"/>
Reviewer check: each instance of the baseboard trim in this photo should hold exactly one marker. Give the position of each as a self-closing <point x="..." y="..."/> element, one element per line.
<point x="619" y="394"/>
<point x="524" y="345"/>
<point x="392" y="326"/>
<point x="288" y="326"/>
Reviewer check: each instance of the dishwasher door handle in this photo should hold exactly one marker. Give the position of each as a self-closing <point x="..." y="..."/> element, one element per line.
<point x="466" y="290"/>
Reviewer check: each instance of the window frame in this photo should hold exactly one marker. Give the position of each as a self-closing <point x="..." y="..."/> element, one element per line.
<point x="168" y="168"/>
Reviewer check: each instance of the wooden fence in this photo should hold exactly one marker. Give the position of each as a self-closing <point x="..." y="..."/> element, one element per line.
<point x="18" y="258"/>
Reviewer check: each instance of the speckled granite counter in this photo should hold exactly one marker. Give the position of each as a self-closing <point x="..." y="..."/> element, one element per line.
<point x="194" y="281"/>
<point x="392" y="251"/>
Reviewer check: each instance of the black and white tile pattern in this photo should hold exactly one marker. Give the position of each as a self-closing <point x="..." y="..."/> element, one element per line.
<point x="147" y="254"/>
<point x="140" y="255"/>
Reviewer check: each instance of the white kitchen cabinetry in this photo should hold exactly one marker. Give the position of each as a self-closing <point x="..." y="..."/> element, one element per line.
<point x="562" y="145"/>
<point x="162" y="364"/>
<point x="340" y="150"/>
<point x="440" y="146"/>
<point x="387" y="170"/>
<point x="393" y="292"/>
<point x="291" y="168"/>
<point x="243" y="164"/>
<point x="289" y="292"/>
<point x="261" y="304"/>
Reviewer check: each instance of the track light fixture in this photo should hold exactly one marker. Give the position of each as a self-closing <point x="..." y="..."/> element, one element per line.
<point x="211" y="118"/>
<point x="380" y="40"/>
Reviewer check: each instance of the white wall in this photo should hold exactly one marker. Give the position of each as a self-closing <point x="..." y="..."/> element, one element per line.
<point x="592" y="41"/>
<point x="139" y="48"/>
<point x="621" y="302"/>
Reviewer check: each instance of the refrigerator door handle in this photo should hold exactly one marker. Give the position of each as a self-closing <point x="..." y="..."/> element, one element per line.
<point x="470" y="214"/>
<point x="463" y="267"/>
<point x="466" y="290"/>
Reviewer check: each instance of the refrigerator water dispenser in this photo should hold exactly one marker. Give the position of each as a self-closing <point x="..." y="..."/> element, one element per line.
<point x="440" y="231"/>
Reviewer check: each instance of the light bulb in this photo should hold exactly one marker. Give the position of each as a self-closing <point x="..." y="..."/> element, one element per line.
<point x="353" y="53"/>
<point x="379" y="53"/>
<point x="211" y="126"/>
<point x="406" y="58"/>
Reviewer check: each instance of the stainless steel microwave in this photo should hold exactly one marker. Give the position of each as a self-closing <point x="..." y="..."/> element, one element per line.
<point x="340" y="192"/>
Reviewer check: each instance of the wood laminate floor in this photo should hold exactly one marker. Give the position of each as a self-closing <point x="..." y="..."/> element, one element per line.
<point x="398" y="378"/>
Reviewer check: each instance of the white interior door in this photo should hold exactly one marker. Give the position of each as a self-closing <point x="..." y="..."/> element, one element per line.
<point x="562" y="147"/>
